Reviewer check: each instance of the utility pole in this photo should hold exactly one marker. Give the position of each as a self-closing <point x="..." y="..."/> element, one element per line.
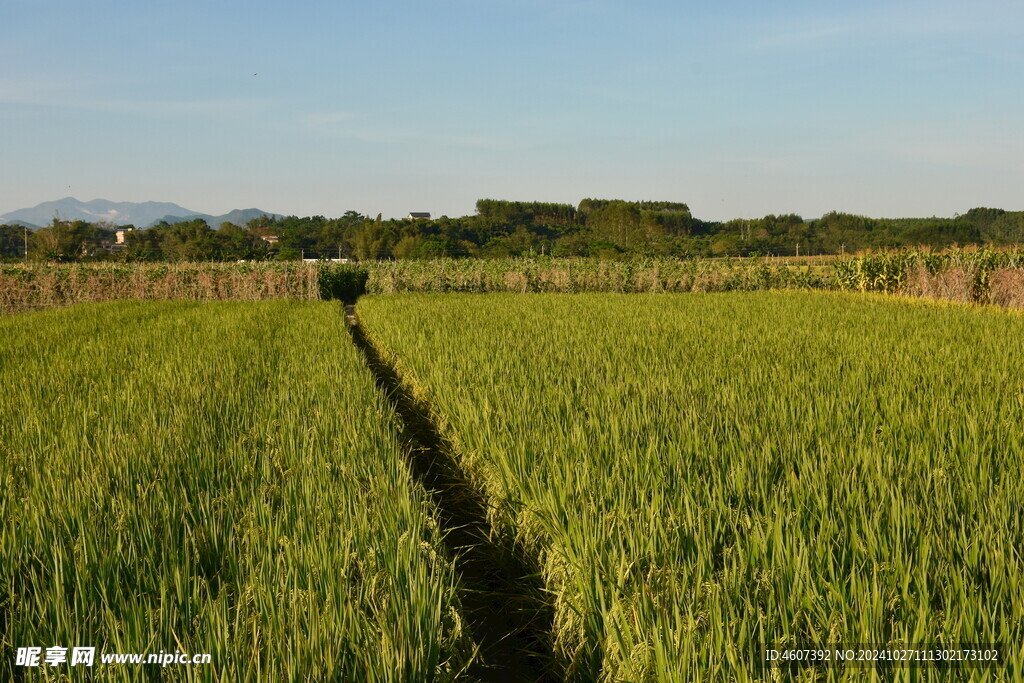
<point x="26" y="243"/>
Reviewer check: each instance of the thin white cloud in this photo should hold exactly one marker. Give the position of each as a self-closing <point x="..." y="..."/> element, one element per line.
<point x="976" y="149"/>
<point x="209" y="107"/>
<point x="434" y="139"/>
<point x="906" y="20"/>
<point x="327" y="119"/>
<point x="479" y="142"/>
<point x="66" y="96"/>
<point x="348" y="125"/>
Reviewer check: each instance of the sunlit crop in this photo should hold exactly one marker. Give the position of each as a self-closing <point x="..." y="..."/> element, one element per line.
<point x="697" y="475"/>
<point x="218" y="478"/>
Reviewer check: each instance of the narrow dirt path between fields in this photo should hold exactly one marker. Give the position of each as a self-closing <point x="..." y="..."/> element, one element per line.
<point x="502" y="599"/>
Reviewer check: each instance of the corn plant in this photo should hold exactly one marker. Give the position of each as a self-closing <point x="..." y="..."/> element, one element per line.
<point x="573" y="275"/>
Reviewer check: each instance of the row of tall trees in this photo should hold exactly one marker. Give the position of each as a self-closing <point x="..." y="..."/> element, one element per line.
<point x="836" y="233"/>
<point x="597" y="227"/>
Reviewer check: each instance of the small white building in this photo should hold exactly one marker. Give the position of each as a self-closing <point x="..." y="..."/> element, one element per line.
<point x="121" y="234"/>
<point x="423" y="215"/>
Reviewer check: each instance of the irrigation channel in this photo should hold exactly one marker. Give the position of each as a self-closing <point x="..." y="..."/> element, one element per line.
<point x="503" y="599"/>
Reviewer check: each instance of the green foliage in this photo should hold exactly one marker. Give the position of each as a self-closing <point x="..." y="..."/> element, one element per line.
<point x="65" y="241"/>
<point x="224" y="478"/>
<point x="882" y="272"/>
<point x="13" y="239"/>
<point x="699" y="475"/>
<point x="239" y="244"/>
<point x="189" y="241"/>
<point x="544" y="274"/>
<point x="599" y="227"/>
<point x="633" y="224"/>
<point x="341" y="281"/>
<point x="495" y="212"/>
<point x="588" y="206"/>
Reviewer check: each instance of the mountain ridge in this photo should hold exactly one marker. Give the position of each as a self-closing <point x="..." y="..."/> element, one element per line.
<point x="140" y="214"/>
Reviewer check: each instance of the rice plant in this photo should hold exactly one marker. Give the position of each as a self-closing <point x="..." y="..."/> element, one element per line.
<point x="217" y="478"/>
<point x="699" y="475"/>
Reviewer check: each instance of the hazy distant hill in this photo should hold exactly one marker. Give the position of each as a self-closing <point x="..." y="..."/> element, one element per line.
<point x="20" y="224"/>
<point x="238" y="217"/>
<point x="139" y="214"/>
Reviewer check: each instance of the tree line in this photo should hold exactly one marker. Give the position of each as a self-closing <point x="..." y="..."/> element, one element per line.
<point x="596" y="227"/>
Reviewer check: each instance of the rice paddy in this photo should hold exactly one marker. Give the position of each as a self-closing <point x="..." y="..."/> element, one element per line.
<point x="692" y="477"/>
<point x="699" y="475"/>
<point x="217" y="478"/>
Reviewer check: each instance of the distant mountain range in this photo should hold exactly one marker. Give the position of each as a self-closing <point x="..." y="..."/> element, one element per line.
<point x="139" y="214"/>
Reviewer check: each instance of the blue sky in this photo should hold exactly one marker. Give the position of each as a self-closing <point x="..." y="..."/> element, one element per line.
<point x="739" y="108"/>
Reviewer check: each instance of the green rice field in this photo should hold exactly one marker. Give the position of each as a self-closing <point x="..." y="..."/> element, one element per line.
<point x="217" y="478"/>
<point x="692" y="476"/>
<point x="700" y="474"/>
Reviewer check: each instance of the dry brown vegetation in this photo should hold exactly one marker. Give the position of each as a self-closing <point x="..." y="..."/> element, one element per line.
<point x="26" y="287"/>
<point x="954" y="284"/>
<point x="970" y="276"/>
<point x="1001" y="286"/>
<point x="1006" y="288"/>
